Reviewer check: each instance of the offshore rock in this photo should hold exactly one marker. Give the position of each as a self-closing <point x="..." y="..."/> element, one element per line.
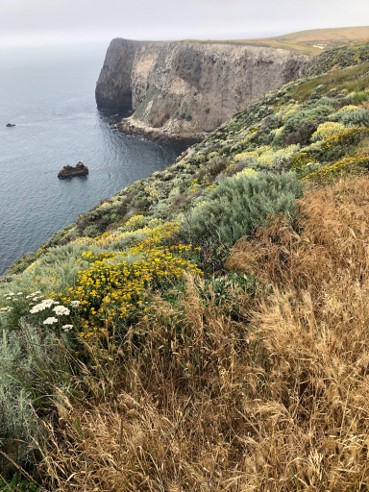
<point x="185" y="89"/>
<point x="73" y="171"/>
<point x="10" y="125"/>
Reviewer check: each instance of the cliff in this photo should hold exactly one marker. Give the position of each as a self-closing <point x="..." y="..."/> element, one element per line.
<point x="185" y="88"/>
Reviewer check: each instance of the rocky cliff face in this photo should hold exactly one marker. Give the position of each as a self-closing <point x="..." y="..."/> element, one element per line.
<point x="184" y="89"/>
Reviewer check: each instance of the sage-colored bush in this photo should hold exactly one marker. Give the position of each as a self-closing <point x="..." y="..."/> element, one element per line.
<point x="359" y="118"/>
<point x="239" y="205"/>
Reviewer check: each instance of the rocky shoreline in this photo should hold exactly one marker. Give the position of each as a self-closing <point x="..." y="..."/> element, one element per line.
<point x="131" y="126"/>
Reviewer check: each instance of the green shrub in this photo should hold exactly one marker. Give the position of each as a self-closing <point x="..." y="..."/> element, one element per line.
<point x="17" y="484"/>
<point x="300" y="125"/>
<point x="359" y="118"/>
<point x="327" y="130"/>
<point x="238" y="206"/>
<point x="32" y="364"/>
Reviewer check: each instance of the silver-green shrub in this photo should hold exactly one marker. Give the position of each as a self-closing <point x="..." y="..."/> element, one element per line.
<point x="239" y="205"/>
<point x="360" y="118"/>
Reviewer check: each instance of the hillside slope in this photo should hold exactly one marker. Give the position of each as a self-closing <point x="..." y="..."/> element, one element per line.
<point x="315" y="41"/>
<point x="206" y="328"/>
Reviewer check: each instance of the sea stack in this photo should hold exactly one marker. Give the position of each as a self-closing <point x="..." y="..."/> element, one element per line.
<point x="73" y="171"/>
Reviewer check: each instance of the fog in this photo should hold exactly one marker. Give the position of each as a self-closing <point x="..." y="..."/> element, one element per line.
<point x="25" y="22"/>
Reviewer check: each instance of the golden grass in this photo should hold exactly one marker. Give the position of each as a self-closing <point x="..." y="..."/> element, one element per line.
<point x="273" y="399"/>
<point x="340" y="34"/>
<point x="307" y="42"/>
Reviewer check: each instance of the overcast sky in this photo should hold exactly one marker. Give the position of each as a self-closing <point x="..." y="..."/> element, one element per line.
<point x="70" y="21"/>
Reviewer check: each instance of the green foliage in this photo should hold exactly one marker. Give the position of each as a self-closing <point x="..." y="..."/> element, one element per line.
<point x="32" y="364"/>
<point x="331" y="149"/>
<point x="299" y="127"/>
<point x="344" y="167"/>
<point x="238" y="206"/>
<point x="338" y="58"/>
<point x="17" y="484"/>
<point x="358" y="118"/>
<point x="349" y="79"/>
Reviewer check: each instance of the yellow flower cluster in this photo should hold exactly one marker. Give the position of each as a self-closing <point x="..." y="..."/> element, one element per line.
<point x="302" y="159"/>
<point x="246" y="172"/>
<point x="115" y="285"/>
<point x="348" y="137"/>
<point x="266" y="157"/>
<point x="348" y="165"/>
<point x="328" y="129"/>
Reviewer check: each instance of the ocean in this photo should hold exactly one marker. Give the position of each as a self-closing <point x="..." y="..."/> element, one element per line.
<point x="48" y="93"/>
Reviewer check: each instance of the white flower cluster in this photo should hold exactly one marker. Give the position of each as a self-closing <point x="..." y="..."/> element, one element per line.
<point x="12" y="296"/>
<point x="6" y="309"/>
<point x="67" y="328"/>
<point x="75" y="304"/>
<point x="45" y="304"/>
<point x="50" y="321"/>
<point x="34" y="295"/>
<point x="61" y="310"/>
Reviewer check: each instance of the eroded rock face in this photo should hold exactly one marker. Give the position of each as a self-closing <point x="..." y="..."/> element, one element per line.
<point x="183" y="89"/>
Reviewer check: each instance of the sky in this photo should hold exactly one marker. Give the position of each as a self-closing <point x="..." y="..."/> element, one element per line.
<point x="35" y="22"/>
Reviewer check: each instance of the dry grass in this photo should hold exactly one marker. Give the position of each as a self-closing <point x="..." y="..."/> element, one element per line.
<point x="307" y="41"/>
<point x="275" y="399"/>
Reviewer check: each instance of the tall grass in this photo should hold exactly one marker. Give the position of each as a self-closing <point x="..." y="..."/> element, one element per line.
<point x="274" y="399"/>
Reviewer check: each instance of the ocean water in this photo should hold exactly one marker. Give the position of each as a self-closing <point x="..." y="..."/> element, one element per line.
<point x="49" y="94"/>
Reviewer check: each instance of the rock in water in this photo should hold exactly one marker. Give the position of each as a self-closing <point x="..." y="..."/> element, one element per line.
<point x="72" y="171"/>
<point x="10" y="125"/>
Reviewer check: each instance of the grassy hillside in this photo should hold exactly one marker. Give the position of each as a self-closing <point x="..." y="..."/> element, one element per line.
<point x="312" y="42"/>
<point x="317" y="40"/>
<point x="206" y="328"/>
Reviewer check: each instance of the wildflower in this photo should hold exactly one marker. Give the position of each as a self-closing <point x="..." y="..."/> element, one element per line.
<point x="48" y="302"/>
<point x="67" y="328"/>
<point x="50" y="321"/>
<point x="37" y="308"/>
<point x="61" y="310"/>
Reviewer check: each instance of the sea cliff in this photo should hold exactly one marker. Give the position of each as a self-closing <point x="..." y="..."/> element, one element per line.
<point x="186" y="89"/>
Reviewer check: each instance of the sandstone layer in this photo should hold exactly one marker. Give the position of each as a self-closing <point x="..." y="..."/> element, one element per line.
<point x="185" y="89"/>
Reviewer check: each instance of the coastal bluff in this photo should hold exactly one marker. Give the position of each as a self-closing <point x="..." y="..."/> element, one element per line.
<point x="185" y="89"/>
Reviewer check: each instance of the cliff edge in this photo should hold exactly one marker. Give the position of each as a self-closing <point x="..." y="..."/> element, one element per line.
<point x="185" y="89"/>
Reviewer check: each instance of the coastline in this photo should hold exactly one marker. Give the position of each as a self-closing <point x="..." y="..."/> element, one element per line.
<point x="133" y="126"/>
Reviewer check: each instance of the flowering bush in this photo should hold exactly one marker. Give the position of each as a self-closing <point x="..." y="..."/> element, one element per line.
<point x="326" y="130"/>
<point x="266" y="157"/>
<point x="343" y="167"/>
<point x="115" y="285"/>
